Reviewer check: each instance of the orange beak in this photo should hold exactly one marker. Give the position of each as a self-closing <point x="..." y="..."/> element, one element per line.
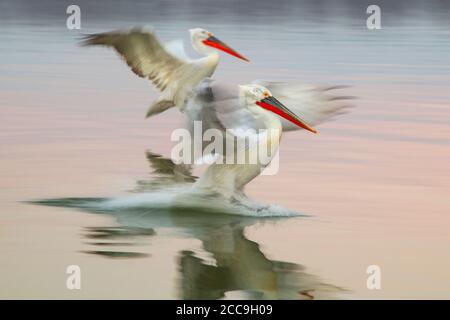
<point x="216" y="43"/>
<point x="275" y="106"/>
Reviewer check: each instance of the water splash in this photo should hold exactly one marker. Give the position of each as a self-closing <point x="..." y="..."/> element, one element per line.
<point x="178" y="198"/>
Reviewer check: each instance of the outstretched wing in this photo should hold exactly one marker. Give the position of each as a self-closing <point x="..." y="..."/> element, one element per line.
<point x="164" y="173"/>
<point x="218" y="106"/>
<point x="143" y="53"/>
<point x="313" y="104"/>
<point x="166" y="167"/>
<point x="164" y="66"/>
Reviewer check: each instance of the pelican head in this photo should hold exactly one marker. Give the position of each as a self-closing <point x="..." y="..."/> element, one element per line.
<point x="205" y="43"/>
<point x="255" y="94"/>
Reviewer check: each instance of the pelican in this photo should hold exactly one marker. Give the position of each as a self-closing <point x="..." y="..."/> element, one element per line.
<point x="233" y="108"/>
<point x="171" y="72"/>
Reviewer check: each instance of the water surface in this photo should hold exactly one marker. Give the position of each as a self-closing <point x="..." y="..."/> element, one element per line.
<point x="374" y="183"/>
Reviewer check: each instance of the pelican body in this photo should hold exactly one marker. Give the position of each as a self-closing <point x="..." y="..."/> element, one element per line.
<point x="232" y="109"/>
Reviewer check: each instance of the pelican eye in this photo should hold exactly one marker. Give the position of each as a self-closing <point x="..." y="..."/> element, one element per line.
<point x="266" y="94"/>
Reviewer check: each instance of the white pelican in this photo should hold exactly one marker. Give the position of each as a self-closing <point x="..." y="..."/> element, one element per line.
<point x="253" y="106"/>
<point x="171" y="72"/>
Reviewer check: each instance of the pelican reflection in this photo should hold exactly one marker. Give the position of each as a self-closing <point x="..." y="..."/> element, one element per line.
<point x="228" y="265"/>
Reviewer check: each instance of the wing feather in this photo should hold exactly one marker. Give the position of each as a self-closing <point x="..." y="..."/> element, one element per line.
<point x="217" y="106"/>
<point x="143" y="53"/>
<point x="315" y="105"/>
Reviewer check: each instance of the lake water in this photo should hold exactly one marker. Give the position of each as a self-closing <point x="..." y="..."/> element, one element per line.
<point x="375" y="183"/>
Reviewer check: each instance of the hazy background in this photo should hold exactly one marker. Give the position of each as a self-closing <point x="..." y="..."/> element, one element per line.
<point x="376" y="181"/>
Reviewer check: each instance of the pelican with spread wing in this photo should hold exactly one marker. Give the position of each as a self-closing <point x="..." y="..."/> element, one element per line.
<point x="171" y="72"/>
<point x="266" y="111"/>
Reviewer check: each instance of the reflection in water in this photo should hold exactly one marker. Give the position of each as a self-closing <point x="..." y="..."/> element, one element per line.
<point x="232" y="266"/>
<point x="109" y="236"/>
<point x="117" y="254"/>
<point x="239" y="269"/>
<point x="117" y="232"/>
<point x="166" y="173"/>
